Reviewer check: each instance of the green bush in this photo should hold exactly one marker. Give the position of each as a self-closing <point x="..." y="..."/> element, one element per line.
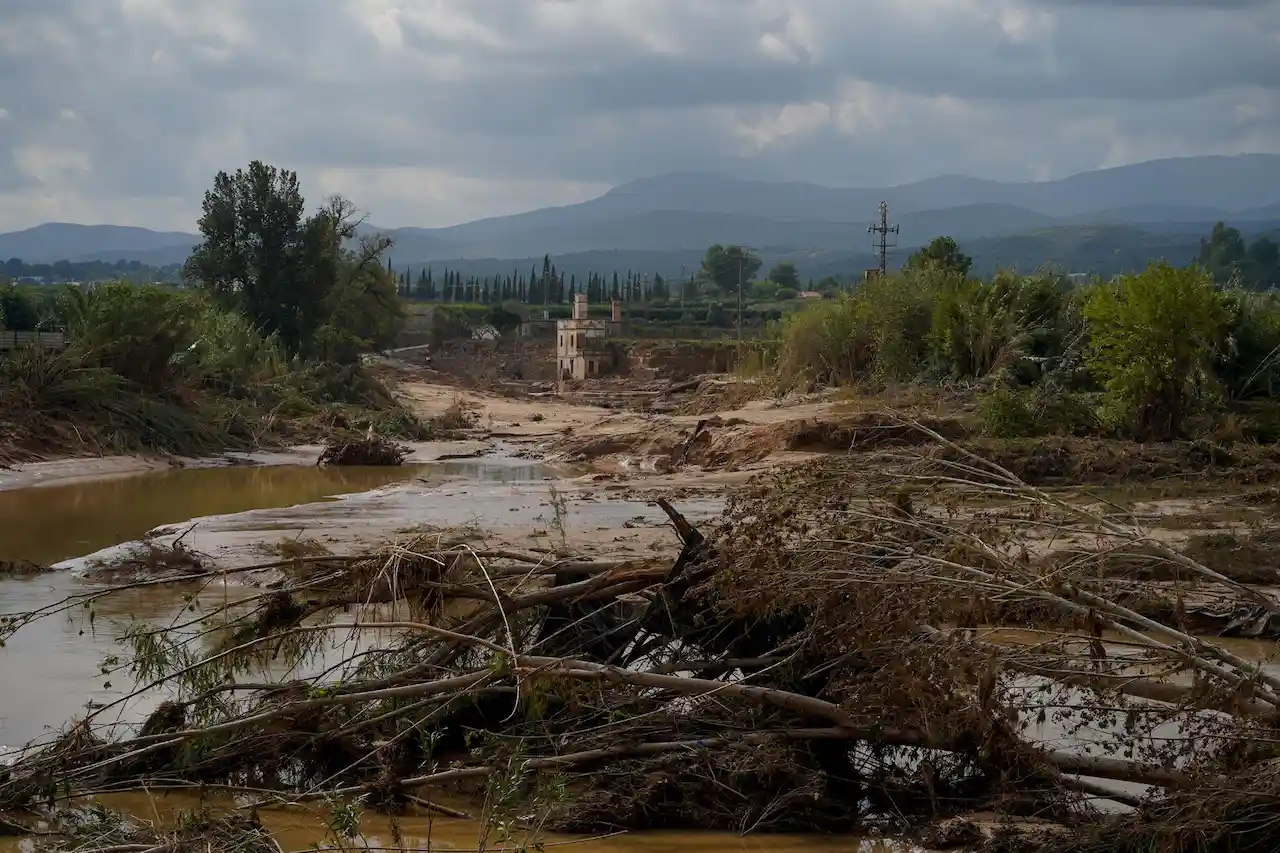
<point x="1151" y="340"/>
<point x="899" y="312"/>
<point x="22" y="308"/>
<point x="44" y="392"/>
<point x="826" y="343"/>
<point x="133" y="331"/>
<point x="980" y="326"/>
<point x="164" y="370"/>
<point x="1247" y="362"/>
<point x="878" y="332"/>
<point x="1006" y="412"/>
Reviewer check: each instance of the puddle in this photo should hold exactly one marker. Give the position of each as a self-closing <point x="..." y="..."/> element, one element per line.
<point x="50" y="668"/>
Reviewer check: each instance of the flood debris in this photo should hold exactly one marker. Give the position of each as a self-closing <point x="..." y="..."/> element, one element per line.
<point x="369" y="450"/>
<point x="850" y="647"/>
<point x="200" y="831"/>
<point x="21" y="568"/>
<point x="150" y="560"/>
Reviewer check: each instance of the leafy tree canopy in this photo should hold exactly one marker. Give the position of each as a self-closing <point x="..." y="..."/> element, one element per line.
<point x="1228" y="258"/>
<point x="944" y="253"/>
<point x="784" y="274"/>
<point x="724" y="267"/>
<point x="290" y="273"/>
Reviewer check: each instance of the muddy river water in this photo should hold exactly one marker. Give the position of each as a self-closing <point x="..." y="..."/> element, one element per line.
<point x="50" y="670"/>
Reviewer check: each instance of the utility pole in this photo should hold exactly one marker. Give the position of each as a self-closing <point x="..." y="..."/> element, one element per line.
<point x="882" y="230"/>
<point x="743" y="254"/>
<point x="683" y="287"/>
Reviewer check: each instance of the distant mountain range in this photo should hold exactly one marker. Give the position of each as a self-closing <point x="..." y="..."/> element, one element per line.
<point x="1158" y="206"/>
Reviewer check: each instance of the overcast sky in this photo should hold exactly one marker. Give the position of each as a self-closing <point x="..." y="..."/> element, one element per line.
<point x="432" y="112"/>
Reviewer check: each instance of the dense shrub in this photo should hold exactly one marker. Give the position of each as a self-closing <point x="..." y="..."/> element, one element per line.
<point x="1151" y="340"/>
<point x="159" y="369"/>
<point x="1024" y="412"/>
<point x="22" y="308"/>
<point x="133" y="331"/>
<point x="826" y="343"/>
<point x="878" y="332"/>
<point x="1248" y="358"/>
<point x="980" y="326"/>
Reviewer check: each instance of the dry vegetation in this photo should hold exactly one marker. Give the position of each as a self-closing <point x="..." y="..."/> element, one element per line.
<point x="855" y="646"/>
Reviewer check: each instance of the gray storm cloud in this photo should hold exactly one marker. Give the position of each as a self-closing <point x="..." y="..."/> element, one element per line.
<point x="437" y="111"/>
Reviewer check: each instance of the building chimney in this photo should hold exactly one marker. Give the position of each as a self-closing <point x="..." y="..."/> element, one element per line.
<point x="617" y="311"/>
<point x="580" y="306"/>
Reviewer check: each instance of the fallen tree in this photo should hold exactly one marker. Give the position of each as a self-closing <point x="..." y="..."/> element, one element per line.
<point x="830" y="657"/>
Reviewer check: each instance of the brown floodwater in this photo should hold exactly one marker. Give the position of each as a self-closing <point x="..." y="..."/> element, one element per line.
<point x="301" y="828"/>
<point x="47" y="524"/>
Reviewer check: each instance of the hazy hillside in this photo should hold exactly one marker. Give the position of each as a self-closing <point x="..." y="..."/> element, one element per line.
<point x="1212" y="187"/>
<point x="1101" y="250"/>
<point x="677" y="214"/>
<point x="57" y="241"/>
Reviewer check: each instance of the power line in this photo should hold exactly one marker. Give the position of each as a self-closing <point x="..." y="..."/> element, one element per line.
<point x="882" y="230"/>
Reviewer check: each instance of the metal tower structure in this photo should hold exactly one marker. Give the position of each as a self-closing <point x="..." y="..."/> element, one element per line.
<point x="882" y="239"/>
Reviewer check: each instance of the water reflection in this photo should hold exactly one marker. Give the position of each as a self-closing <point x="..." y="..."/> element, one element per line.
<point x="58" y="522"/>
<point x="494" y="470"/>
<point x="305" y="829"/>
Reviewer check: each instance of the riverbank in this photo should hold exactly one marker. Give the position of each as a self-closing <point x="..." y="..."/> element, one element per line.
<point x="80" y="469"/>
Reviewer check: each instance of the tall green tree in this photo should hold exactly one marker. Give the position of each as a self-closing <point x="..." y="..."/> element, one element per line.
<point x="944" y="253"/>
<point x="1226" y="256"/>
<point x="292" y="274"/>
<point x="784" y="274"/>
<point x="724" y="267"/>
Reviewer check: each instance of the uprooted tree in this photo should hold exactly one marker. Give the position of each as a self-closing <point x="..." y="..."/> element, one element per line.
<point x="822" y="660"/>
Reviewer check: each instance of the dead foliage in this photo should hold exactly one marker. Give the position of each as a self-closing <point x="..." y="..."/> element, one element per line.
<point x="453" y="421"/>
<point x="95" y="829"/>
<point x="370" y="450"/>
<point x="1059" y="461"/>
<point x="716" y="442"/>
<point x="150" y="560"/>
<point x="300" y="548"/>
<point x="1233" y="815"/>
<point x="868" y="431"/>
<point x="21" y="568"/>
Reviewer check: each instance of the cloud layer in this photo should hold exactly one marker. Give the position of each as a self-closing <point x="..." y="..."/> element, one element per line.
<point x="430" y="112"/>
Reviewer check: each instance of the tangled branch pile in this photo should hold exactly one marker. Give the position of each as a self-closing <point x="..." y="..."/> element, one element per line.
<point x="370" y="450"/>
<point x="836" y="655"/>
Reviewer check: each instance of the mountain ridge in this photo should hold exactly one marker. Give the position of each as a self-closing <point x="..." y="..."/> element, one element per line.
<point x="686" y="211"/>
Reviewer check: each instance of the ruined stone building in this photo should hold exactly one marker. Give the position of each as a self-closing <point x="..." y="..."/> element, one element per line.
<point x="582" y="344"/>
